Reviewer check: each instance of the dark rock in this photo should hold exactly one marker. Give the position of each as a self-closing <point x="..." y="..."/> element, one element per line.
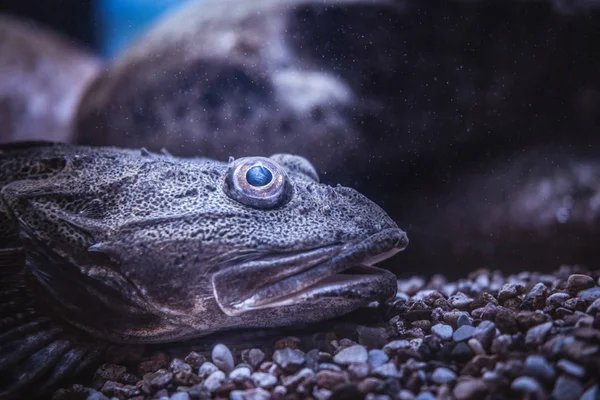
<point x="590" y="295"/>
<point x="178" y="365"/>
<point x="571" y="368"/>
<point x="536" y="298"/>
<point x="567" y="388"/>
<point x="194" y="359"/>
<point x="505" y="320"/>
<point x="372" y="337"/>
<point x="485" y="333"/>
<point x="161" y="379"/>
<point x="482" y="300"/>
<point x="369" y="384"/>
<point x="469" y="389"/>
<point x="460" y="301"/>
<point x="462" y="352"/>
<point x="578" y="282"/>
<point x="443" y="375"/>
<point x="465" y="332"/>
<point x="330" y="379"/>
<point x="537" y="334"/>
<point x="527" y="386"/>
<point x="501" y="344"/>
<point x="557" y="299"/>
<point x="529" y="319"/>
<point x="538" y="367"/>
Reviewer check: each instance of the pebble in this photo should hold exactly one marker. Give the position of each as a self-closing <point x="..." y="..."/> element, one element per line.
<point x="377" y="357"/>
<point x="476" y="346"/>
<point x="508" y="291"/>
<point x="222" y="358"/>
<point x="592" y="393"/>
<point x="443" y="375"/>
<point x="293" y="380"/>
<point x="469" y="389"/>
<point x="536" y="298"/>
<point x="180" y="396"/>
<point x="250" y="394"/>
<point x="538" y="367"/>
<point x="289" y="359"/>
<point x="359" y="371"/>
<point x="525" y="384"/>
<point x="578" y="282"/>
<point x="255" y="357"/>
<point x="462" y="352"/>
<point x="537" y="334"/>
<point x="465" y="332"/>
<point x="509" y="346"/>
<point x="463" y="319"/>
<point x="571" y="368"/>
<point x="442" y="331"/>
<point x="161" y="380"/>
<point x="425" y="396"/>
<point x="330" y="379"/>
<point x="195" y="360"/>
<point x="214" y="380"/>
<point x="567" y="388"/>
<point x="178" y="365"/>
<point x="460" y="301"/>
<point x="352" y="354"/>
<point x="557" y="299"/>
<point x="485" y="333"/>
<point x="387" y="370"/>
<point x="264" y="380"/>
<point x="206" y="369"/>
<point x="590" y="295"/>
<point x="594" y="307"/>
<point x="240" y="373"/>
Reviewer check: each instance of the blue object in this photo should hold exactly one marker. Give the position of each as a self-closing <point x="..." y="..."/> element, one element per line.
<point x="120" y="21"/>
<point x="259" y="176"/>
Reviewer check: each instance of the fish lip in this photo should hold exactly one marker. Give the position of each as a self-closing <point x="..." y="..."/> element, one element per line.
<point x="336" y="276"/>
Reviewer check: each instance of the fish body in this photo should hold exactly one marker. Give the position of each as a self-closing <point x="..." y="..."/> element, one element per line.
<point x="107" y="246"/>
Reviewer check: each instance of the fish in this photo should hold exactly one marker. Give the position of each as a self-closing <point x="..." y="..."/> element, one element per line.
<point x="106" y="246"/>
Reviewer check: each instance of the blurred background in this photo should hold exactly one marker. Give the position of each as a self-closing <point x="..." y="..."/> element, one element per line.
<point x="106" y="26"/>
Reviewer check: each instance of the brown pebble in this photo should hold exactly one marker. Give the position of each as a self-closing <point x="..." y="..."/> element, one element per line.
<point x="577" y="282"/>
<point x="482" y="300"/>
<point x="330" y="379"/>
<point x="469" y="389"/>
<point x="369" y="384"/>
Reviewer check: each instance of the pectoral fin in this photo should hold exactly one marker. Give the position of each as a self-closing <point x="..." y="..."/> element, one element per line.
<point x="36" y="352"/>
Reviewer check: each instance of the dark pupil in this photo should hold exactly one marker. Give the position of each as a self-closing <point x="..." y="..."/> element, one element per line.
<point x="259" y="176"/>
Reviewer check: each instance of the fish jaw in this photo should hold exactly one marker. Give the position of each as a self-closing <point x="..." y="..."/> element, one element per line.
<point x="343" y="272"/>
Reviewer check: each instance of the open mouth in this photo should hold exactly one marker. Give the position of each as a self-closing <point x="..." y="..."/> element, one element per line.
<point x="342" y="271"/>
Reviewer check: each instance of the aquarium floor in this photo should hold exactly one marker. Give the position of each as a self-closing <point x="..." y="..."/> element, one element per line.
<point x="530" y="335"/>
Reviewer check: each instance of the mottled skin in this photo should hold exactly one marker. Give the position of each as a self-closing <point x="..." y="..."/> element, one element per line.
<point x="125" y="246"/>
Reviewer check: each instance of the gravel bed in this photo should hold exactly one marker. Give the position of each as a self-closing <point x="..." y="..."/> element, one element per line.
<point x="530" y="336"/>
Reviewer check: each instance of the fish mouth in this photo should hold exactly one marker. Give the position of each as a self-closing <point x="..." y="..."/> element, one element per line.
<point x="335" y="271"/>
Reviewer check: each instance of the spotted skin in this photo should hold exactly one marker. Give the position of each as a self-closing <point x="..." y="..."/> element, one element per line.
<point x="126" y="246"/>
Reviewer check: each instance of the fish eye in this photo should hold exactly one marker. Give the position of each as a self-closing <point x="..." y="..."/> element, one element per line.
<point x="259" y="176"/>
<point x="257" y="182"/>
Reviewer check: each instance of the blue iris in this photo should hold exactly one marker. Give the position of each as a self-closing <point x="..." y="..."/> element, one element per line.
<point x="259" y="176"/>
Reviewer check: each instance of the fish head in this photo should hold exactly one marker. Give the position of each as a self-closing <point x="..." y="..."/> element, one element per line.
<point x="178" y="248"/>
